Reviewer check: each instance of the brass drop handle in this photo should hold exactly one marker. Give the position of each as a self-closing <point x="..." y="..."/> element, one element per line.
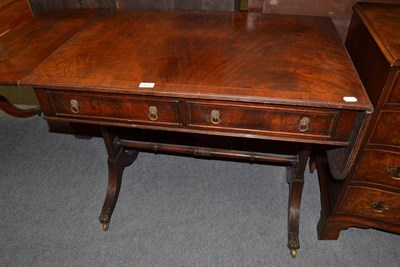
<point x="75" y="106"/>
<point x="378" y="206"/>
<point x="394" y="172"/>
<point x="215" y="116"/>
<point x="304" y="124"/>
<point x="153" y="113"/>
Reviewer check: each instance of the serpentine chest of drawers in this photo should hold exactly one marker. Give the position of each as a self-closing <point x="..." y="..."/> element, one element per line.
<point x="232" y="85"/>
<point x="370" y="196"/>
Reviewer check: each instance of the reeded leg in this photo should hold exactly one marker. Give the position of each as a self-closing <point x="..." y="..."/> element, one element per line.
<point x="17" y="112"/>
<point x="118" y="159"/>
<point x="295" y="178"/>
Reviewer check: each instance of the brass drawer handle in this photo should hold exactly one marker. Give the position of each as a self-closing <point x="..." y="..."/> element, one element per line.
<point x="378" y="206"/>
<point x="75" y="106"/>
<point x="215" y="116"/>
<point x="153" y="113"/>
<point x="304" y="124"/>
<point x="394" y="172"/>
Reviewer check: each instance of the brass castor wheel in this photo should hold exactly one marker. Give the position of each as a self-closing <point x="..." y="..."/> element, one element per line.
<point x="105" y="226"/>
<point x="293" y="253"/>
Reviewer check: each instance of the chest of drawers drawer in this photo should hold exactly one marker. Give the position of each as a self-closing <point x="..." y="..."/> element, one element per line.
<point x="379" y="167"/>
<point x="387" y="130"/>
<point x="261" y="118"/>
<point x="124" y="108"/>
<point x="371" y="203"/>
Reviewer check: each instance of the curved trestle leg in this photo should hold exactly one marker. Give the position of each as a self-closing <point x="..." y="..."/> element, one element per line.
<point x="295" y="178"/>
<point x="118" y="159"/>
<point x="17" y="112"/>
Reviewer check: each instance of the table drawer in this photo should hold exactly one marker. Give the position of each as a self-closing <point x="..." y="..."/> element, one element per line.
<point x="114" y="108"/>
<point x="387" y="129"/>
<point x="261" y="119"/>
<point x="378" y="166"/>
<point x="372" y="203"/>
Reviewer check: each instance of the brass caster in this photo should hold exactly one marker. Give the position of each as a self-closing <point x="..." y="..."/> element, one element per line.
<point x="293" y="253"/>
<point x="105" y="226"/>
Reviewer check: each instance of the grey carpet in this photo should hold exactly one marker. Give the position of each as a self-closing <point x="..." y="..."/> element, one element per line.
<point x="172" y="211"/>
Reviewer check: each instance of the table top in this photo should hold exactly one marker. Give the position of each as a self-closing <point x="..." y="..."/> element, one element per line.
<point x="259" y="58"/>
<point x="23" y="47"/>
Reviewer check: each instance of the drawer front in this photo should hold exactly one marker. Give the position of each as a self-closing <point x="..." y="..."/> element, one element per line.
<point x="381" y="167"/>
<point x="267" y="120"/>
<point x="394" y="96"/>
<point x="372" y="203"/>
<point x="387" y="130"/>
<point x="126" y="109"/>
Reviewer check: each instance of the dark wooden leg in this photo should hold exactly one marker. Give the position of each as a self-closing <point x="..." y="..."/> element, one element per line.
<point x="17" y="112"/>
<point x="312" y="164"/>
<point x="118" y="159"/>
<point x="295" y="177"/>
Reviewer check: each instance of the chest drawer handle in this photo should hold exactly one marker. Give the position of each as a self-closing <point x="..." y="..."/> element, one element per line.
<point x="215" y="119"/>
<point x="394" y="172"/>
<point x="153" y="113"/>
<point x="304" y="124"/>
<point x="378" y="206"/>
<point x="74" y="106"/>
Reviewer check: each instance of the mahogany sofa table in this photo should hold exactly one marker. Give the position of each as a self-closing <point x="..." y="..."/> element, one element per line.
<point x="232" y="85"/>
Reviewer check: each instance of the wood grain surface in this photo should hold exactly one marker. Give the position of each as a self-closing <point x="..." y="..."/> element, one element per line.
<point x="231" y="56"/>
<point x="382" y="21"/>
<point x="13" y="13"/>
<point x="28" y="44"/>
